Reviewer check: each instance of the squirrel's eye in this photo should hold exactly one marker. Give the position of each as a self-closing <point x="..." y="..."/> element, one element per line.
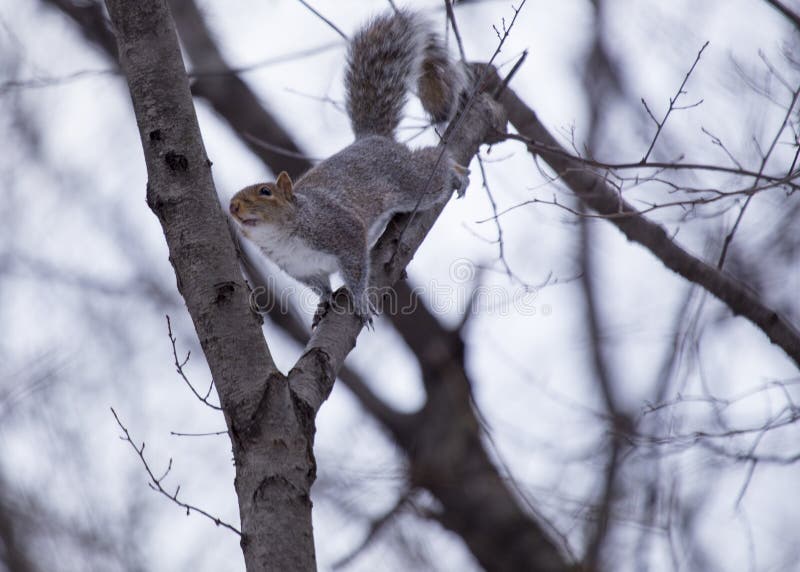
<point x="265" y="191"/>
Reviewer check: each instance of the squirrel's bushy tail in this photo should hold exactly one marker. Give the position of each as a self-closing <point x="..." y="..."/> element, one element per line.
<point x="384" y="61"/>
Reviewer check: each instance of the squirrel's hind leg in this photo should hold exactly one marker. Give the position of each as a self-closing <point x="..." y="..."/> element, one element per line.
<point x="355" y="273"/>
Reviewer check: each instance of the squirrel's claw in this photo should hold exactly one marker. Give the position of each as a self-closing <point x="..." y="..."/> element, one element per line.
<point x="362" y="308"/>
<point x="367" y="322"/>
<point x="365" y="310"/>
<point x="324" y="306"/>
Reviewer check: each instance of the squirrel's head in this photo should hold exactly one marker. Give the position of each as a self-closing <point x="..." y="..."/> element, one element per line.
<point x="264" y="203"/>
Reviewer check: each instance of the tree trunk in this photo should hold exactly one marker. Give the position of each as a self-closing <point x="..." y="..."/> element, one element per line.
<point x="271" y="431"/>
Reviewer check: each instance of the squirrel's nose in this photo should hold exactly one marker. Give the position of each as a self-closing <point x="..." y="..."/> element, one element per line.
<point x="234" y="207"/>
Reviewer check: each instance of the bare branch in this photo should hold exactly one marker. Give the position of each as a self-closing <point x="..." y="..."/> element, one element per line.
<point x="179" y="368"/>
<point x="535" y="146"/>
<point x="375" y="528"/>
<point x="210" y="434"/>
<point x="672" y="101"/>
<point x="517" y="65"/>
<point x="729" y="238"/>
<point x="451" y="17"/>
<point x="255" y="396"/>
<point x="155" y="482"/>
<point x="592" y="189"/>
<point x="718" y="142"/>
<point x="323" y="18"/>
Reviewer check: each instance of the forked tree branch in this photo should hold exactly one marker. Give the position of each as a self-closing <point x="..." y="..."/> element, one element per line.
<point x="335" y="336"/>
<point x="270" y="417"/>
<point x="270" y="433"/>
<point x="512" y="539"/>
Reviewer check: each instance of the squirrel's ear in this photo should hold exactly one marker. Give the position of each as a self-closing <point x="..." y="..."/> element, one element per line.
<point x="284" y="183"/>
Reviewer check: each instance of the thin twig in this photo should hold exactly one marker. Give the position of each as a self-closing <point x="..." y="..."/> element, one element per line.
<point x="785" y="417"/>
<point x="282" y="59"/>
<point x="37" y="83"/>
<point x="534" y="146"/>
<point x="155" y="482"/>
<point x="210" y="434"/>
<point x="621" y="213"/>
<point x="765" y="158"/>
<point x="718" y="142"/>
<point x="57" y="81"/>
<point x="375" y="528"/>
<point x="500" y="243"/>
<point x="672" y="102"/>
<point x="179" y="368"/>
<point x="257" y="141"/>
<point x="451" y="17"/>
<point x="323" y="18"/>
<point x="456" y="123"/>
<point x="504" y="84"/>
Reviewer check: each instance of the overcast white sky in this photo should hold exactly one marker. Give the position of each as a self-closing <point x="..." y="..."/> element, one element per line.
<point x="77" y="206"/>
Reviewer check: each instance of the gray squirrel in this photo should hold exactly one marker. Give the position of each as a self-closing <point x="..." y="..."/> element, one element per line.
<point x="328" y="219"/>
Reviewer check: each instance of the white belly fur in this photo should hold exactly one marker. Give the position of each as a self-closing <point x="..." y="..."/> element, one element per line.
<point x="291" y="253"/>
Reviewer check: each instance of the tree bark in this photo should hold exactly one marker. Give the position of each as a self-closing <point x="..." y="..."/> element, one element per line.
<point x="501" y="543"/>
<point x="271" y="432"/>
<point x="270" y="417"/>
<point x="447" y="455"/>
<point x="232" y="98"/>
